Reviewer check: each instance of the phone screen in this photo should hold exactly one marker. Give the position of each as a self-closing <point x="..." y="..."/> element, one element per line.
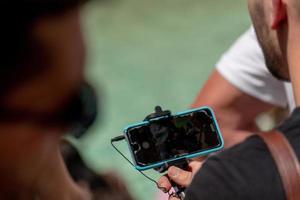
<point x="173" y="137"/>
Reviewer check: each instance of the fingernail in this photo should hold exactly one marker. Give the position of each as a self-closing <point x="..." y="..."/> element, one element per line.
<point x="161" y="187"/>
<point x="164" y="190"/>
<point x="173" y="171"/>
<point x="160" y="184"/>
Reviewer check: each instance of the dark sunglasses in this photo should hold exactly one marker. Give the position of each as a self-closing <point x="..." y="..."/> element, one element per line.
<point x="78" y="114"/>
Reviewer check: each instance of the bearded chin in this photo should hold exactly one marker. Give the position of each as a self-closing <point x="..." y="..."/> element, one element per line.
<point x="277" y="73"/>
<point x="269" y="43"/>
<point x="272" y="53"/>
<point x="274" y="61"/>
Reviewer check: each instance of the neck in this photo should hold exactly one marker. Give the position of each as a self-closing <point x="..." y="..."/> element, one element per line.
<point x="61" y="186"/>
<point x="294" y="71"/>
<point x="293" y="52"/>
<point x="31" y="165"/>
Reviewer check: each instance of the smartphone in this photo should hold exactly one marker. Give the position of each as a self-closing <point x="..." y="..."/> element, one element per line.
<point x="162" y="140"/>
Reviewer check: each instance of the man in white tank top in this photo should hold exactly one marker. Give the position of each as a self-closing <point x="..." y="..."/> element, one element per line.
<point x="243" y="65"/>
<point x="240" y="88"/>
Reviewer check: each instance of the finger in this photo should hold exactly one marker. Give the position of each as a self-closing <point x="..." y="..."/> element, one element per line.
<point x="164" y="184"/>
<point x="200" y="159"/>
<point x="179" y="176"/>
<point x="195" y="166"/>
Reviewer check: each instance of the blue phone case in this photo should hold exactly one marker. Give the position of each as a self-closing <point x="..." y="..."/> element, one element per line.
<point x="202" y="153"/>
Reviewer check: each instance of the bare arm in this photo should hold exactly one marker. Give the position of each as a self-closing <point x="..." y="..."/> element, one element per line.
<point x="235" y="110"/>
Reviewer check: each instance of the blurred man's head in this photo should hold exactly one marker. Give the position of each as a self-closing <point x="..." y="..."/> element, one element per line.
<point x="43" y="59"/>
<point x="271" y="24"/>
<point x="42" y="64"/>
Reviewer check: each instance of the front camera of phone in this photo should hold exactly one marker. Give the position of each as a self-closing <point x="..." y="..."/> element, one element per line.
<point x="136" y="147"/>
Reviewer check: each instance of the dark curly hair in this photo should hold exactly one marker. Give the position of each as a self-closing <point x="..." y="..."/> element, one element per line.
<point x="20" y="52"/>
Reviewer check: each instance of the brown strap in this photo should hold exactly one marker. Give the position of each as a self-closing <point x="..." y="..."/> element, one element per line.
<point x="286" y="161"/>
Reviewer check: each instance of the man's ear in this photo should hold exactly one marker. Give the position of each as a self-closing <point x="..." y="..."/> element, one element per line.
<point x="279" y="13"/>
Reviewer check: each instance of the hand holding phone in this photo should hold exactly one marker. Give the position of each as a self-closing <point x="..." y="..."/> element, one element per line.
<point x="180" y="176"/>
<point x="162" y="140"/>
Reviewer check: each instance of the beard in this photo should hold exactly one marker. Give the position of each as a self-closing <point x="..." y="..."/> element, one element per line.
<point x="269" y="42"/>
<point x="273" y="60"/>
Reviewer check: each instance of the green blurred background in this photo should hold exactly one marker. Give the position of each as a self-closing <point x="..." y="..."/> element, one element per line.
<point x="144" y="53"/>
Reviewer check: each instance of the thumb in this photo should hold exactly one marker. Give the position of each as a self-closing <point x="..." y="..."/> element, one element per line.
<point x="179" y="176"/>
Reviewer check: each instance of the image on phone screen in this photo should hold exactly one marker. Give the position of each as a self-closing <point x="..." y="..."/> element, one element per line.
<point x="173" y="137"/>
